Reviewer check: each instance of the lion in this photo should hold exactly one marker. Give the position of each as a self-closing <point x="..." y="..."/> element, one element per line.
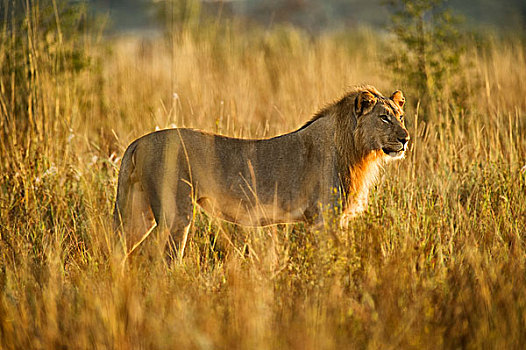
<point x="328" y="163"/>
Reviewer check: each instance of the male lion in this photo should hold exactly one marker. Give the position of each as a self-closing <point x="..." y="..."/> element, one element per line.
<point x="330" y="162"/>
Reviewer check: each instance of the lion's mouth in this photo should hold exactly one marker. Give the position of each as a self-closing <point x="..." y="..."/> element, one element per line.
<point x="395" y="153"/>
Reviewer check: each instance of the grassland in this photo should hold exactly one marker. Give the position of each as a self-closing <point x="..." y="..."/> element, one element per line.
<point x="437" y="261"/>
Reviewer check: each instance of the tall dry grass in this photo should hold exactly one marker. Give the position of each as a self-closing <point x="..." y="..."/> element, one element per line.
<point x="437" y="261"/>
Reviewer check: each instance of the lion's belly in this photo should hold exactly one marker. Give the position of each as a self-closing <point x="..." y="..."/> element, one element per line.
<point x="247" y="214"/>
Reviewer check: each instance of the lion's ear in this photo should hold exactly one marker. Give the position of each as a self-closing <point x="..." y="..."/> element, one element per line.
<point x="364" y="102"/>
<point x="398" y="98"/>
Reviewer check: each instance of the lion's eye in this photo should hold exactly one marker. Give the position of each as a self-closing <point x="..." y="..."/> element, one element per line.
<point x="385" y="119"/>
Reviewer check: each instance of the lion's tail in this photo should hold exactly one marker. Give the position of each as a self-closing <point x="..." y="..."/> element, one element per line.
<point x="124" y="185"/>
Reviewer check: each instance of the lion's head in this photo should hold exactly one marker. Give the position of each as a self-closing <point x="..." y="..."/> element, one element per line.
<point x="380" y="123"/>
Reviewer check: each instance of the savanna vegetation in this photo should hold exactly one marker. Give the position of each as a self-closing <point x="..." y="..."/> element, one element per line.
<point x="437" y="261"/>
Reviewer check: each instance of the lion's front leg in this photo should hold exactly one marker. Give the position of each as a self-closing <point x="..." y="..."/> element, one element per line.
<point x="355" y="206"/>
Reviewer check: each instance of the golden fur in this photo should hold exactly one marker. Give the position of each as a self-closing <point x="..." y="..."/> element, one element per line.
<point x="330" y="162"/>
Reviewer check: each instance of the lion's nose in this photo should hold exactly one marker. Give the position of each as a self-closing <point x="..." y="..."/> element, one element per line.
<point x="404" y="140"/>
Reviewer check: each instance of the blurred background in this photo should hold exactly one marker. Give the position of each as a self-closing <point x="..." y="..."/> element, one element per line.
<point x="314" y="16"/>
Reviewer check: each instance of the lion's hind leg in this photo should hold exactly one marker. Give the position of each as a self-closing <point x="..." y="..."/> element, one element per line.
<point x="173" y="212"/>
<point x="137" y="218"/>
